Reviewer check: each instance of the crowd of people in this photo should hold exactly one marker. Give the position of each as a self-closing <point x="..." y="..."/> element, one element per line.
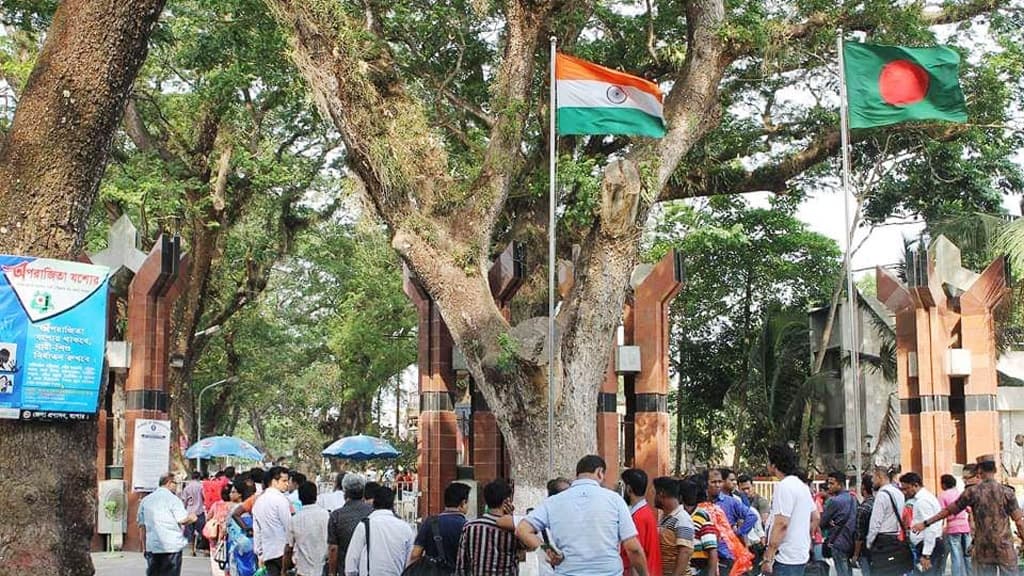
<point x="709" y="524"/>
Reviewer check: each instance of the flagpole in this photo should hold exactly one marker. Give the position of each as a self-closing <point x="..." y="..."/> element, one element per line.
<point x="844" y="122"/>
<point x="552" y="203"/>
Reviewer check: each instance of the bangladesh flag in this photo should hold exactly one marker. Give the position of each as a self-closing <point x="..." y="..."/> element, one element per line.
<point x="890" y="84"/>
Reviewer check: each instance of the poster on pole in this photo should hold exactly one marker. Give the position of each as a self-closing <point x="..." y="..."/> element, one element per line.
<point x="53" y="333"/>
<point x="151" y="455"/>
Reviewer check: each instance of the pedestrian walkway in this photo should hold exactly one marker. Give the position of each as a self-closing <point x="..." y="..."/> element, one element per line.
<point x="132" y="563"/>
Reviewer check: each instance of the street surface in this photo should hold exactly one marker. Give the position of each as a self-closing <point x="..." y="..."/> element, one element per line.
<point x="132" y="564"/>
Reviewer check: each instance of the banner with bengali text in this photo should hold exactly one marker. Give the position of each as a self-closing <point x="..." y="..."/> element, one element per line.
<point x="53" y="323"/>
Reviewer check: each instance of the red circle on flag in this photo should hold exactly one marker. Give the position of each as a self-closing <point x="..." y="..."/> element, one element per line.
<point x="902" y="82"/>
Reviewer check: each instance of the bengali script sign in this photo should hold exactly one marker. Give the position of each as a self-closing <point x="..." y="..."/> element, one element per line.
<point x="53" y="319"/>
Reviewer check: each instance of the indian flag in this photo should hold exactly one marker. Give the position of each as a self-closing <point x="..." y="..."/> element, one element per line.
<point x="592" y="99"/>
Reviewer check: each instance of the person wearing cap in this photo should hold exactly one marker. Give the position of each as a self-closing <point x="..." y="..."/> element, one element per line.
<point x="344" y="521"/>
<point x="992" y="506"/>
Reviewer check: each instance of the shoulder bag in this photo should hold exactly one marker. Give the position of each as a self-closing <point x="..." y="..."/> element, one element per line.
<point x="890" y="554"/>
<point x="430" y="566"/>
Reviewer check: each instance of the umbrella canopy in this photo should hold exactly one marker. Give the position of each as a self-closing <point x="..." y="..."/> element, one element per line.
<point x="219" y="446"/>
<point x="361" y="447"/>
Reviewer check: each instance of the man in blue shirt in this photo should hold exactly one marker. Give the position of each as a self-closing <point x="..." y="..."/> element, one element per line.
<point x="587" y="523"/>
<point x="840" y="522"/>
<point x="741" y="518"/>
<point x="729" y="486"/>
<point x="160" y="518"/>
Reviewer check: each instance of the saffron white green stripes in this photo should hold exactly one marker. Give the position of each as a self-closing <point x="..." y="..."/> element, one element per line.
<point x="592" y="99"/>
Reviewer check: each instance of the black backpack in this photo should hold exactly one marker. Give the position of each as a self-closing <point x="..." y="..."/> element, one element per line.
<point x="428" y="565"/>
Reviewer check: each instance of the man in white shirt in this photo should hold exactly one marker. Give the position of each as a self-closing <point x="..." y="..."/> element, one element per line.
<point x="331" y="501"/>
<point x="884" y="523"/>
<point x="390" y="540"/>
<point x="271" y="517"/>
<point x="307" y="536"/>
<point x="792" y="518"/>
<point x="161" y="517"/>
<point x="928" y="542"/>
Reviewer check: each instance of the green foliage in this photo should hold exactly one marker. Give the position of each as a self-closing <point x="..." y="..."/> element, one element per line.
<point x="332" y="329"/>
<point x="582" y="179"/>
<point x="744" y="267"/>
<point x="507" y="360"/>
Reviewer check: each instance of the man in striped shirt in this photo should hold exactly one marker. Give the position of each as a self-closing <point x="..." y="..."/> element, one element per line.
<point x="486" y="549"/>
<point x="705" y="543"/>
<point x="676" y="530"/>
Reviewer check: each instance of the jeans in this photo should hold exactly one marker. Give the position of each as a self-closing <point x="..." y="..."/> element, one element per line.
<point x="842" y="563"/>
<point x="817" y="553"/>
<point x="938" y="559"/>
<point x="957" y="545"/>
<point x="865" y="564"/>
<point x="779" y="569"/>
<point x="168" y="564"/>
<point x="194" y="531"/>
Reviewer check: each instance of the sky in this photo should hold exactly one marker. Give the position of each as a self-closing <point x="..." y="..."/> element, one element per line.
<point x="823" y="213"/>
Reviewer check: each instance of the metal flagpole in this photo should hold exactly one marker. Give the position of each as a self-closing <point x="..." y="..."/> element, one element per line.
<point x="851" y="307"/>
<point x="552" y="203"/>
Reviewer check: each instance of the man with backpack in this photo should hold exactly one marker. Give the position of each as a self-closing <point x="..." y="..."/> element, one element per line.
<point x="840" y="521"/>
<point x="444" y="528"/>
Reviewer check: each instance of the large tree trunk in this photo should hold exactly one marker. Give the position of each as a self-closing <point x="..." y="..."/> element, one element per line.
<point x="404" y="168"/>
<point x="51" y="163"/>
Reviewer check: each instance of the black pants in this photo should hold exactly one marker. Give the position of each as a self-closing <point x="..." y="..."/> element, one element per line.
<point x="273" y="567"/>
<point x="163" y="564"/>
<point x="938" y="559"/>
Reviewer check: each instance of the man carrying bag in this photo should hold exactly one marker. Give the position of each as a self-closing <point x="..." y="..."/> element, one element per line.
<point x="437" y="541"/>
<point x="888" y="549"/>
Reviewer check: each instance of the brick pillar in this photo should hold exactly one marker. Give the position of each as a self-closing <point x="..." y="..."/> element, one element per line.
<point x="650" y="332"/>
<point x="932" y="325"/>
<point x="977" y="329"/>
<point x="438" y="432"/>
<point x="150" y="296"/>
<point x="97" y="544"/>
<point x="937" y="447"/>
<point x="608" y="419"/>
<point x="488" y="456"/>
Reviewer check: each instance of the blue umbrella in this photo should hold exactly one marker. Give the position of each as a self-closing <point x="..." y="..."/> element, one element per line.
<point x="218" y="446"/>
<point x="361" y="447"/>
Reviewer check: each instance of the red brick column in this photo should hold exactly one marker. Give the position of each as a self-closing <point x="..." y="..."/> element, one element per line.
<point x="437" y="434"/>
<point x="150" y="296"/>
<point x="932" y="325"/>
<point x="650" y="332"/>
<point x="977" y="327"/>
<point x="608" y="419"/>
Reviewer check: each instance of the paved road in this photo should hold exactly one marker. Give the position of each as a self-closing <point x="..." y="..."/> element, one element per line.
<point x="132" y="564"/>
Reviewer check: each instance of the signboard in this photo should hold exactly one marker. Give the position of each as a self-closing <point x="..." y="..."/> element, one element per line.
<point x="53" y="322"/>
<point x="151" y="454"/>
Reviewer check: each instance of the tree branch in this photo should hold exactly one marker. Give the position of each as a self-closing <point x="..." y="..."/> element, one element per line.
<point x="467" y="107"/>
<point x="217" y="193"/>
<point x="869" y="22"/>
<point x="775" y="177"/>
<point x="511" y="89"/>
<point x="141" y="137"/>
